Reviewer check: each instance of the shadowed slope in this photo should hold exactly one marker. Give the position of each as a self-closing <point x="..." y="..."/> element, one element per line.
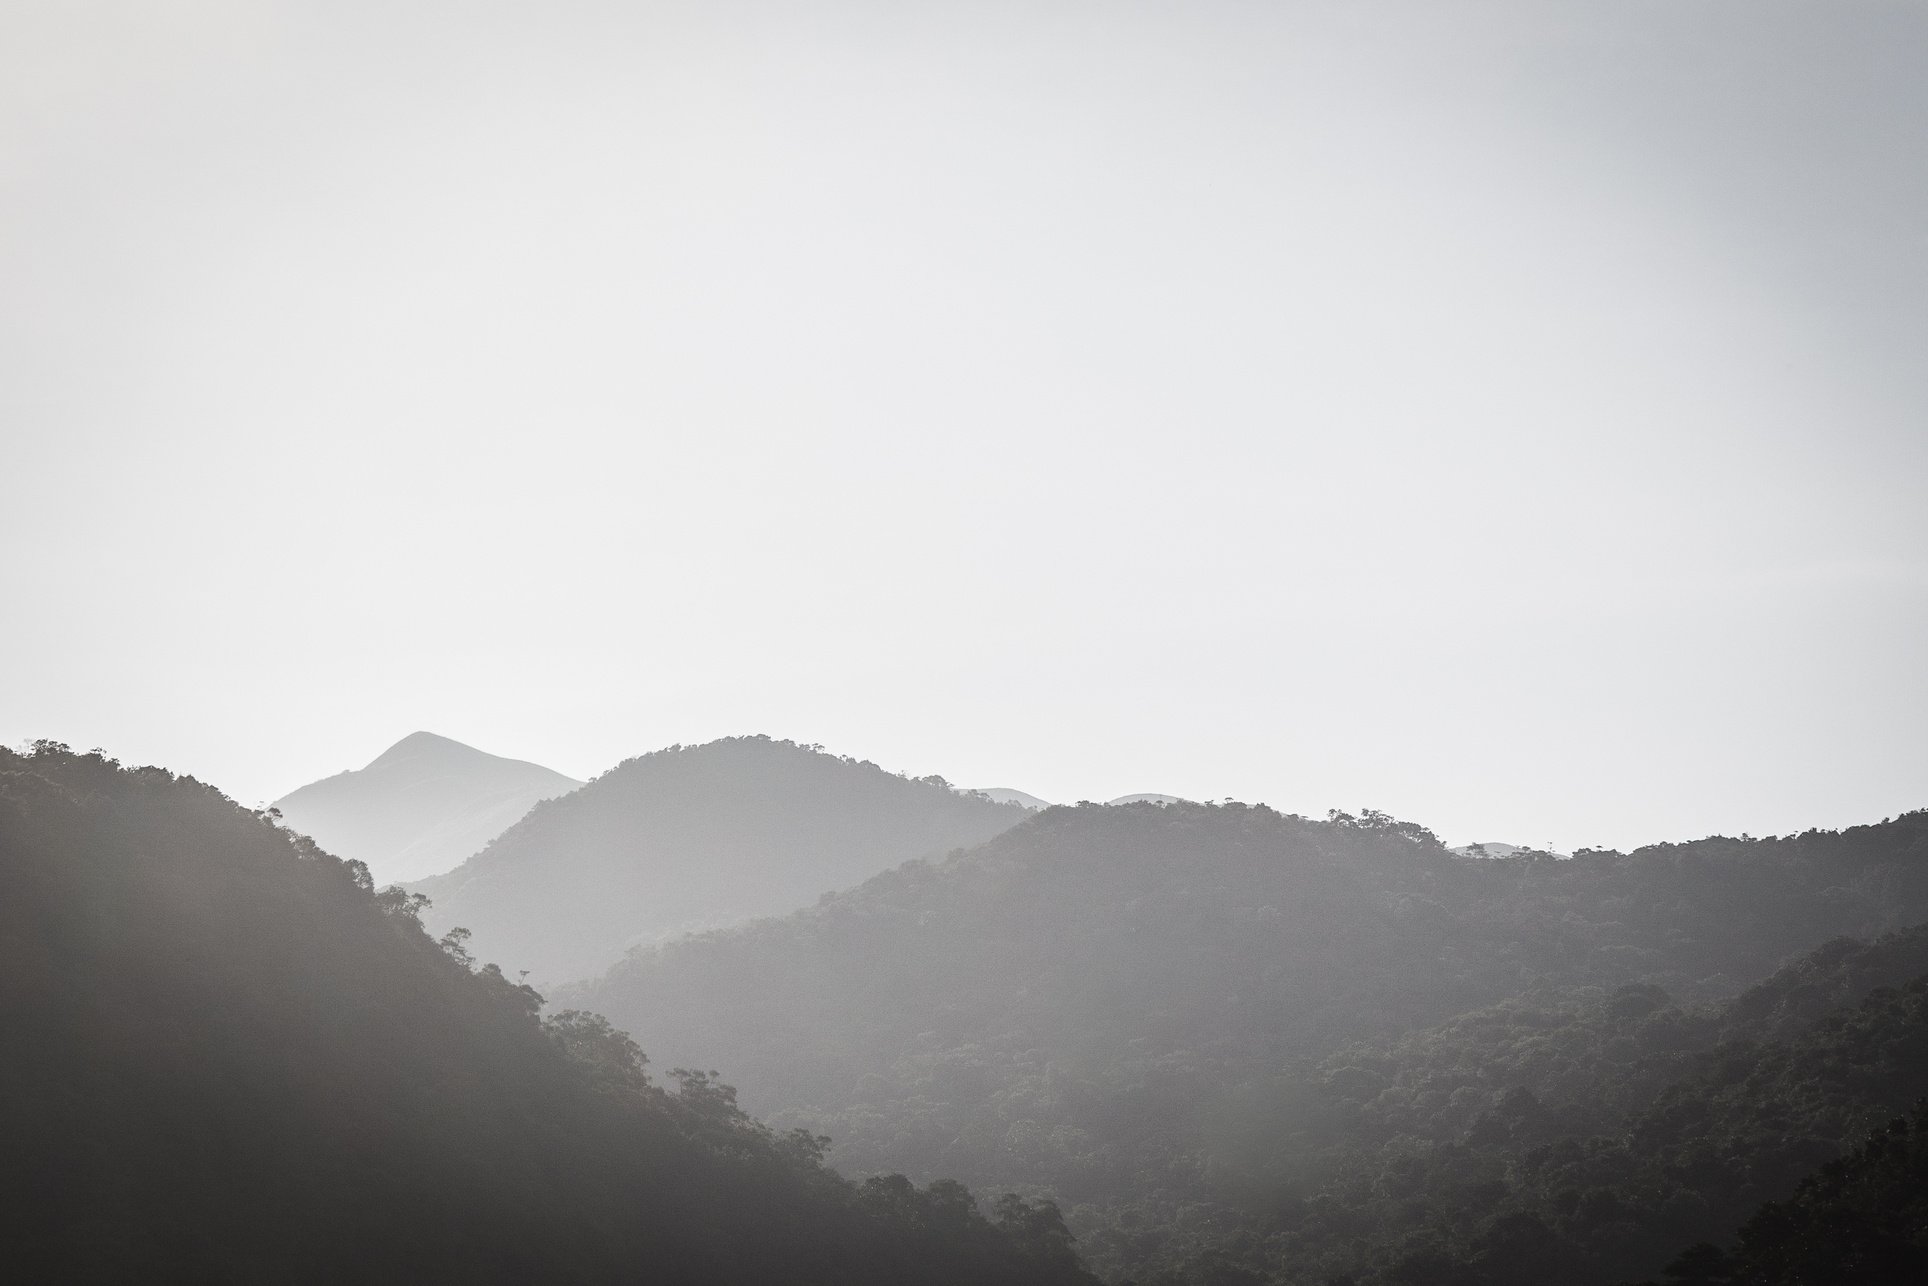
<point x="228" y="1059"/>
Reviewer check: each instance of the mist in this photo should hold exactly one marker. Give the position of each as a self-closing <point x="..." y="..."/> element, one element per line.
<point x="1507" y="418"/>
<point x="1223" y="644"/>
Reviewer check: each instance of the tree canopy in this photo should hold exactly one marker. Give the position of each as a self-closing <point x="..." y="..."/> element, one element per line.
<point x="1228" y="1039"/>
<point x="229" y="1058"/>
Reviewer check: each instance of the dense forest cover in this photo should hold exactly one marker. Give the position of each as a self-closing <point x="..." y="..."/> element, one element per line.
<point x="229" y="1059"/>
<point x="1589" y="1138"/>
<point x="421" y="807"/>
<point x="691" y="837"/>
<point x="1243" y="1046"/>
<point x="1861" y="1221"/>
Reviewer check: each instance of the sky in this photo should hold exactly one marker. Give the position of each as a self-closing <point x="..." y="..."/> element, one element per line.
<point x="1510" y="416"/>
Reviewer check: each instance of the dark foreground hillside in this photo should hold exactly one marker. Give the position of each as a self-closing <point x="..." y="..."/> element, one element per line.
<point x="1587" y="1138"/>
<point x="228" y="1059"/>
<point x="1861" y="1220"/>
<point x="692" y="837"/>
<point x="1209" y="1031"/>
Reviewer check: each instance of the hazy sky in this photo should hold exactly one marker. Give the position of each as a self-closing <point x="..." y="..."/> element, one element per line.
<point x="1511" y="416"/>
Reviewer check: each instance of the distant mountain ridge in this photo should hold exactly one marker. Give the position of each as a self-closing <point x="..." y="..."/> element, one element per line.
<point x="1006" y="795"/>
<point x="1488" y="848"/>
<point x="420" y="807"/>
<point x="695" y="837"/>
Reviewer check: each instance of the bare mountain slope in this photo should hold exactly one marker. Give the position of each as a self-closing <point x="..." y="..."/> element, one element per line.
<point x="421" y="807"/>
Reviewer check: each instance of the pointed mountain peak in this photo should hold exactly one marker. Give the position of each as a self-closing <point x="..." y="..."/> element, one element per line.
<point x="418" y="745"/>
<point x="421" y="806"/>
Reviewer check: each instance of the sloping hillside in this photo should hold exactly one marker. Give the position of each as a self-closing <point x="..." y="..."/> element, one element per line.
<point x="1583" y="1137"/>
<point x="1860" y="1220"/>
<point x="230" y="1060"/>
<point x="691" y="837"/>
<point x="1089" y="1003"/>
<point x="1100" y="935"/>
<point x="421" y="807"/>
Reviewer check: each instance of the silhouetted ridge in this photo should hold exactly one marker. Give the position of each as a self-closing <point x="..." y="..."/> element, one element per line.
<point x="230" y="1060"/>
<point x="695" y="836"/>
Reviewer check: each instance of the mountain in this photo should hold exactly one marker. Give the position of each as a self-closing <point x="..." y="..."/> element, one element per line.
<point x="692" y="837"/>
<point x="1103" y="1002"/>
<point x="421" y="807"/>
<point x="1247" y="1049"/>
<point x="1005" y="795"/>
<point x="1495" y="848"/>
<point x="230" y="1059"/>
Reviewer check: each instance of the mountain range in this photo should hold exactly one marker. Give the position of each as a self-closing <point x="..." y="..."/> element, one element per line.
<point x="1121" y="1005"/>
<point x="1242" y="1047"/>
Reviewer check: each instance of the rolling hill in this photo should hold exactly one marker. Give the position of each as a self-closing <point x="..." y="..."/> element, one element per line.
<point x="1085" y="1003"/>
<point x="693" y="837"/>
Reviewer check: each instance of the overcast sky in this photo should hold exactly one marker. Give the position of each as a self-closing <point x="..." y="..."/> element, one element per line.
<point x="1512" y="416"/>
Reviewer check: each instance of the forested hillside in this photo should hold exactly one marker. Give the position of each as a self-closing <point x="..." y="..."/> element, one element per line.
<point x="229" y="1059"/>
<point x="1861" y="1220"/>
<point x="691" y="837"/>
<point x="1589" y="1137"/>
<point x="420" y="807"/>
<point x="1195" y="1025"/>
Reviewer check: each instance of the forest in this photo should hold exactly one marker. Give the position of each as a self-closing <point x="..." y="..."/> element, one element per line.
<point x="230" y="1059"/>
<point x="1241" y="1046"/>
<point x="1165" y="1044"/>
